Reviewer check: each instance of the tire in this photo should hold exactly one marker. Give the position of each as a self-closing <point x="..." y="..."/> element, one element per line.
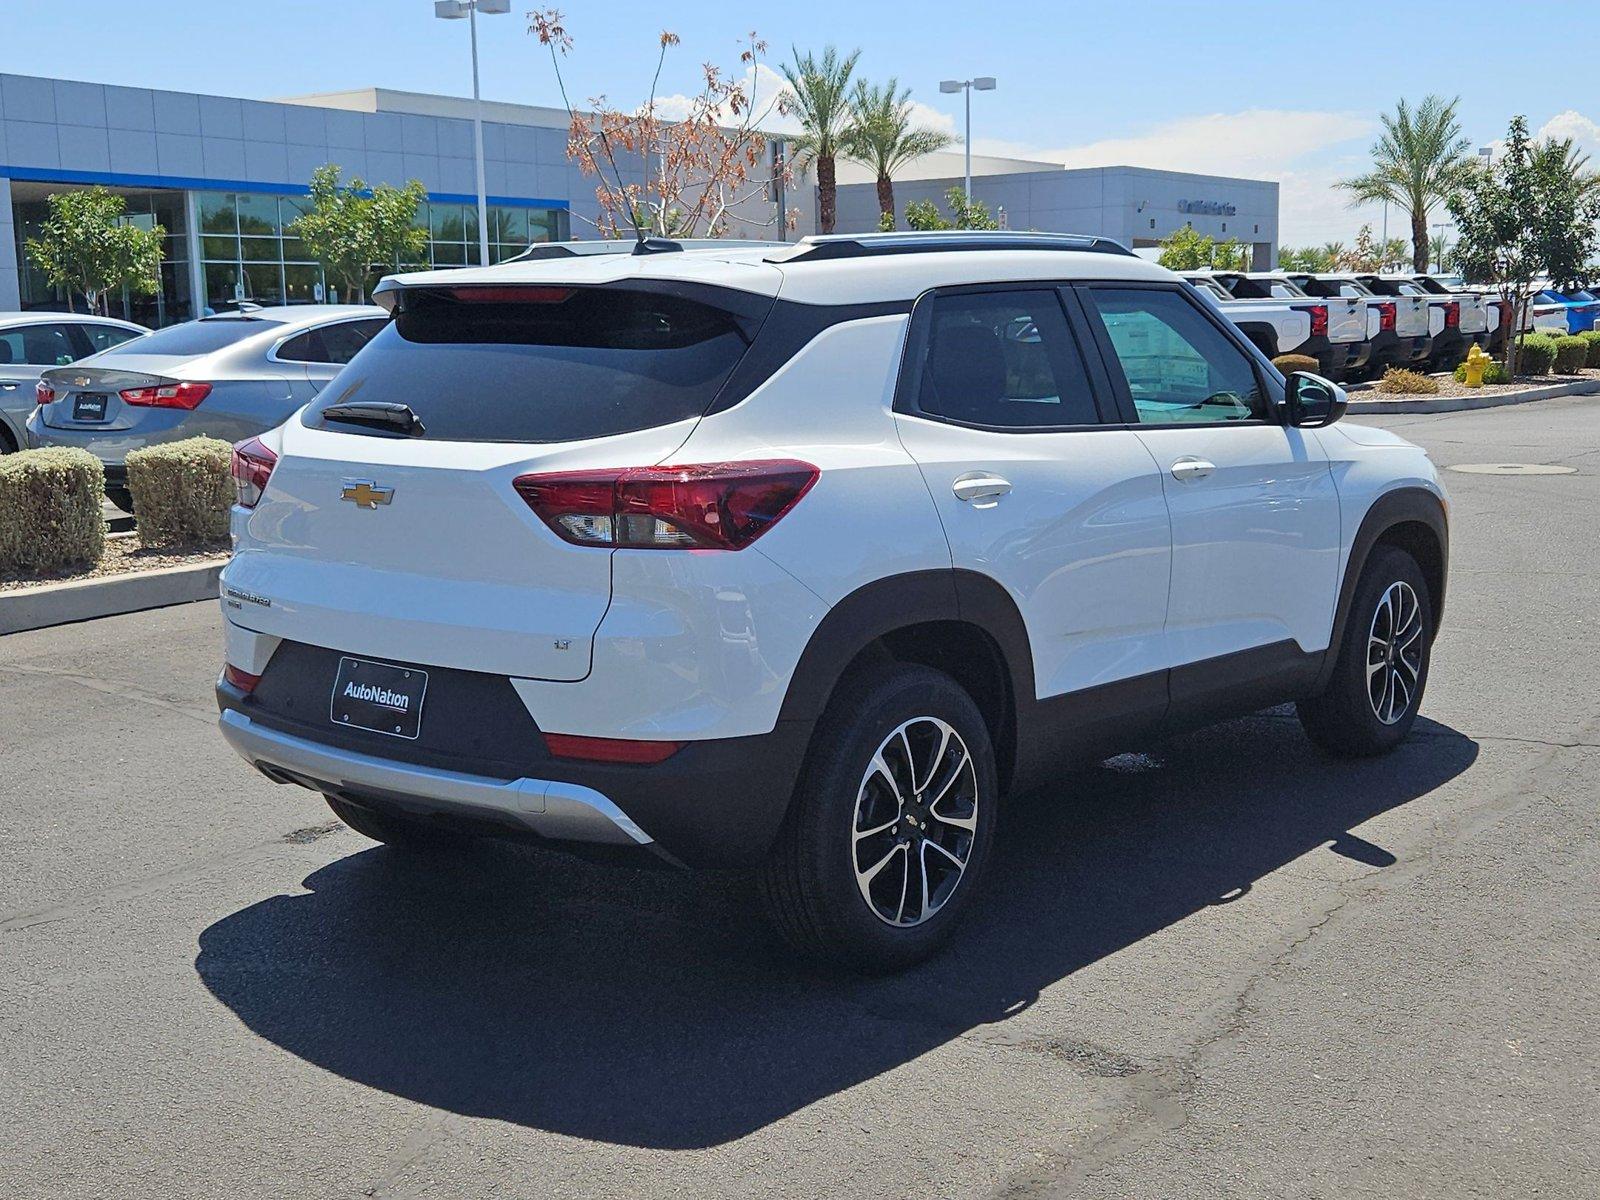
<point x="810" y="882"/>
<point x="1351" y="718"/>
<point x="398" y="832"/>
<point x="121" y="497"/>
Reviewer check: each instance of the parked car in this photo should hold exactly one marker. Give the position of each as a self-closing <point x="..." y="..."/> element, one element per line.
<point x="229" y="376"/>
<point x="1572" y="310"/>
<point x="31" y="342"/>
<point x="1397" y="326"/>
<point x="1281" y="319"/>
<point x="806" y="558"/>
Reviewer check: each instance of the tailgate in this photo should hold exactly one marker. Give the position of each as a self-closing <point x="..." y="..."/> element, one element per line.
<point x="391" y="549"/>
<point x="1347" y="319"/>
<point x="1411" y="315"/>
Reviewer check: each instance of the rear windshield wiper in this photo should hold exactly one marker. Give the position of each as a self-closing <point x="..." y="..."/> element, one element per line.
<point x="378" y="415"/>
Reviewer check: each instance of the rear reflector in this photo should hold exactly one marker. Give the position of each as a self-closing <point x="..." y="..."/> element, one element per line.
<point x="613" y="750"/>
<point x="187" y="394"/>
<point x="242" y="680"/>
<point x="714" y="506"/>
<point x="252" y="467"/>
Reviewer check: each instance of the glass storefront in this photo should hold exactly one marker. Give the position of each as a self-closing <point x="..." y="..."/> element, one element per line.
<point x="248" y="250"/>
<point x="172" y="303"/>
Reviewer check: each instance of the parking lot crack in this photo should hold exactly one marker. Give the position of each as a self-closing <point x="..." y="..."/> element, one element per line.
<point x="121" y="689"/>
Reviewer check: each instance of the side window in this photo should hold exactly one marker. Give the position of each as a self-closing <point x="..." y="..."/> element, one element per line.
<point x="103" y="337"/>
<point x="304" y="347"/>
<point x="42" y="345"/>
<point x="1006" y="359"/>
<point x="1180" y="368"/>
<point x="342" y="341"/>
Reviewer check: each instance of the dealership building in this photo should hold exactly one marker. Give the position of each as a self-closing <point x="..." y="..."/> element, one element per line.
<point x="225" y="177"/>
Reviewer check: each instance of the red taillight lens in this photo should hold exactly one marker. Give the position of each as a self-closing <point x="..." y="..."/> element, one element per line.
<point x="43" y="393"/>
<point x="169" y="395"/>
<point x="1386" y="316"/>
<point x="242" y="680"/>
<point x="613" y="750"/>
<point x="1452" y="315"/>
<point x="252" y="465"/>
<point x="1319" y="318"/>
<point x="714" y="506"/>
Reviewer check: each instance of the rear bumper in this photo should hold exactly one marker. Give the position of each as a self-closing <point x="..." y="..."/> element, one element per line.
<point x="1450" y="346"/>
<point x="1390" y="349"/>
<point x="1336" y="357"/>
<point x="714" y="803"/>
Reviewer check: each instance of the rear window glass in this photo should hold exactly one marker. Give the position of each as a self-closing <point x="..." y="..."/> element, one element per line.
<point x="193" y="337"/>
<point x="547" y="364"/>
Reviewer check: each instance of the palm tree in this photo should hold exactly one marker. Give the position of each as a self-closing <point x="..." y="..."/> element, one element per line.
<point x="1438" y="249"/>
<point x="881" y="138"/>
<point x="822" y="102"/>
<point x="1576" y="164"/>
<point x="1419" y="160"/>
<point x="1333" y="254"/>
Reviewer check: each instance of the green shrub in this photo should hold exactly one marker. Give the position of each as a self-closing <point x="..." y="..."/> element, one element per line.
<point x="1593" y="338"/>
<point x="1536" y="355"/>
<point x="1493" y="372"/>
<point x="50" y="509"/>
<point x="1296" y="362"/>
<point x="1398" y="381"/>
<point x="1571" y="355"/>
<point x="182" y="491"/>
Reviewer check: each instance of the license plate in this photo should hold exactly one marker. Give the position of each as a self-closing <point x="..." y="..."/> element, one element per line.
<point x="379" y="697"/>
<point x="89" y="406"/>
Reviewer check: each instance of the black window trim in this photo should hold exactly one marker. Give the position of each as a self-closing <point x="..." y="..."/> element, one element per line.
<point x="1267" y="378"/>
<point x="914" y="357"/>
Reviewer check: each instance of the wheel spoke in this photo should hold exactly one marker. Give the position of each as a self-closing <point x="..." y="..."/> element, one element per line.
<point x="922" y="872"/>
<point x="876" y="829"/>
<point x="922" y="785"/>
<point x="876" y="868"/>
<point x="956" y="772"/>
<point x="905" y="886"/>
<point x="930" y="844"/>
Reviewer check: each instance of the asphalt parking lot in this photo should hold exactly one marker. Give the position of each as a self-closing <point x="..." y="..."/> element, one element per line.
<point x="1225" y="967"/>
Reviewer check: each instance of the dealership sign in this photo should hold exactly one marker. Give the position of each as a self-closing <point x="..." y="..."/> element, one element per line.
<point x="1211" y="208"/>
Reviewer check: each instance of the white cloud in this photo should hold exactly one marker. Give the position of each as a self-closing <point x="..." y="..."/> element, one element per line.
<point x="1584" y="133"/>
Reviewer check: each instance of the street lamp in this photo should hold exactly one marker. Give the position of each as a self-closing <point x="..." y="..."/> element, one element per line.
<point x="454" y="10"/>
<point x="984" y="83"/>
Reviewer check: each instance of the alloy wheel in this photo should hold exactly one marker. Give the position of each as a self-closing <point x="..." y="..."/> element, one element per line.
<point x="916" y="820"/>
<point x="1394" y="653"/>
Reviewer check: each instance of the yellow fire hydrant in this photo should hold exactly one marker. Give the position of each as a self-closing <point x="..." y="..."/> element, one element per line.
<point x="1477" y="360"/>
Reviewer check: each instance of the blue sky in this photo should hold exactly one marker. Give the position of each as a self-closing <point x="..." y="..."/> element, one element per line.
<point x="1265" y="89"/>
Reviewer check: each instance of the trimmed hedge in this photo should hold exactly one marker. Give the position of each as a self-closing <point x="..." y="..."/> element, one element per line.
<point x="1398" y="381"/>
<point x="1536" y="354"/>
<point x="1296" y="362"/>
<point x="50" y="509"/>
<point x="1572" y="354"/>
<point x="1592" y="337"/>
<point x="1494" y="371"/>
<point x="182" y="491"/>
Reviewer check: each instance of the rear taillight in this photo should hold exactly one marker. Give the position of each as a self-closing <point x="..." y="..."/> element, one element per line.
<point x="187" y="394"/>
<point x="1452" y="315"/>
<point x="1319" y="318"/>
<point x="43" y="393"/>
<point x="714" y="506"/>
<point x="1386" y="316"/>
<point x="612" y="750"/>
<point x="252" y="466"/>
<point x="242" y="680"/>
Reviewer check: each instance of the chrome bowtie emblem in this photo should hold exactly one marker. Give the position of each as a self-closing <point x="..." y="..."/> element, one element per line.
<point x="80" y="381"/>
<point x="364" y="493"/>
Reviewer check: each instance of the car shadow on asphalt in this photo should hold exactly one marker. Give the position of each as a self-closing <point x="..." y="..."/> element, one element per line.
<point x="654" y="1009"/>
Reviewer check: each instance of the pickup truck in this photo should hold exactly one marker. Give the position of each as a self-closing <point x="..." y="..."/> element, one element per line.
<point x="1471" y="317"/>
<point x="1281" y="319"/>
<point x="1397" y="326"/>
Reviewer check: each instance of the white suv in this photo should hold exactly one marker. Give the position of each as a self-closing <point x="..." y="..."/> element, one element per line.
<point x="803" y="558"/>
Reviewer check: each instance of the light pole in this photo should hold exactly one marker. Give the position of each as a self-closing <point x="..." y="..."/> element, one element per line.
<point x="454" y="10"/>
<point x="1440" y="227"/>
<point x="984" y="83"/>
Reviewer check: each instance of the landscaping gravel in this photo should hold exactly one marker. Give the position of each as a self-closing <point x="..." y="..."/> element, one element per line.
<point x="123" y="554"/>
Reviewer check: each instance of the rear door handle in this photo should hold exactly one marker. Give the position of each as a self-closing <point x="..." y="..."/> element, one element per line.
<point x="980" y="486"/>
<point x="1186" y="469"/>
<point x="9" y="385"/>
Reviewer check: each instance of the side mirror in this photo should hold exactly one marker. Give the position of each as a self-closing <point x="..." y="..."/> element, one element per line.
<point x="1312" y="401"/>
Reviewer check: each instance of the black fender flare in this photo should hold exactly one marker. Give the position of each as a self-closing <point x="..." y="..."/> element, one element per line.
<point x="899" y="602"/>
<point x="1402" y="506"/>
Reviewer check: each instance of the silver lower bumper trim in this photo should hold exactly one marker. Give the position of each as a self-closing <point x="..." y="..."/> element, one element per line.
<point x="567" y="811"/>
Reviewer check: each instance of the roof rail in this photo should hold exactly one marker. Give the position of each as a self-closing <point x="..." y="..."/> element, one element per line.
<point x="871" y="245"/>
<point x="575" y="249"/>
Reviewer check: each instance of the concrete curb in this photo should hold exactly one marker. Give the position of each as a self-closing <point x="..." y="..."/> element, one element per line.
<point x="87" y="599"/>
<point x="1444" y="404"/>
